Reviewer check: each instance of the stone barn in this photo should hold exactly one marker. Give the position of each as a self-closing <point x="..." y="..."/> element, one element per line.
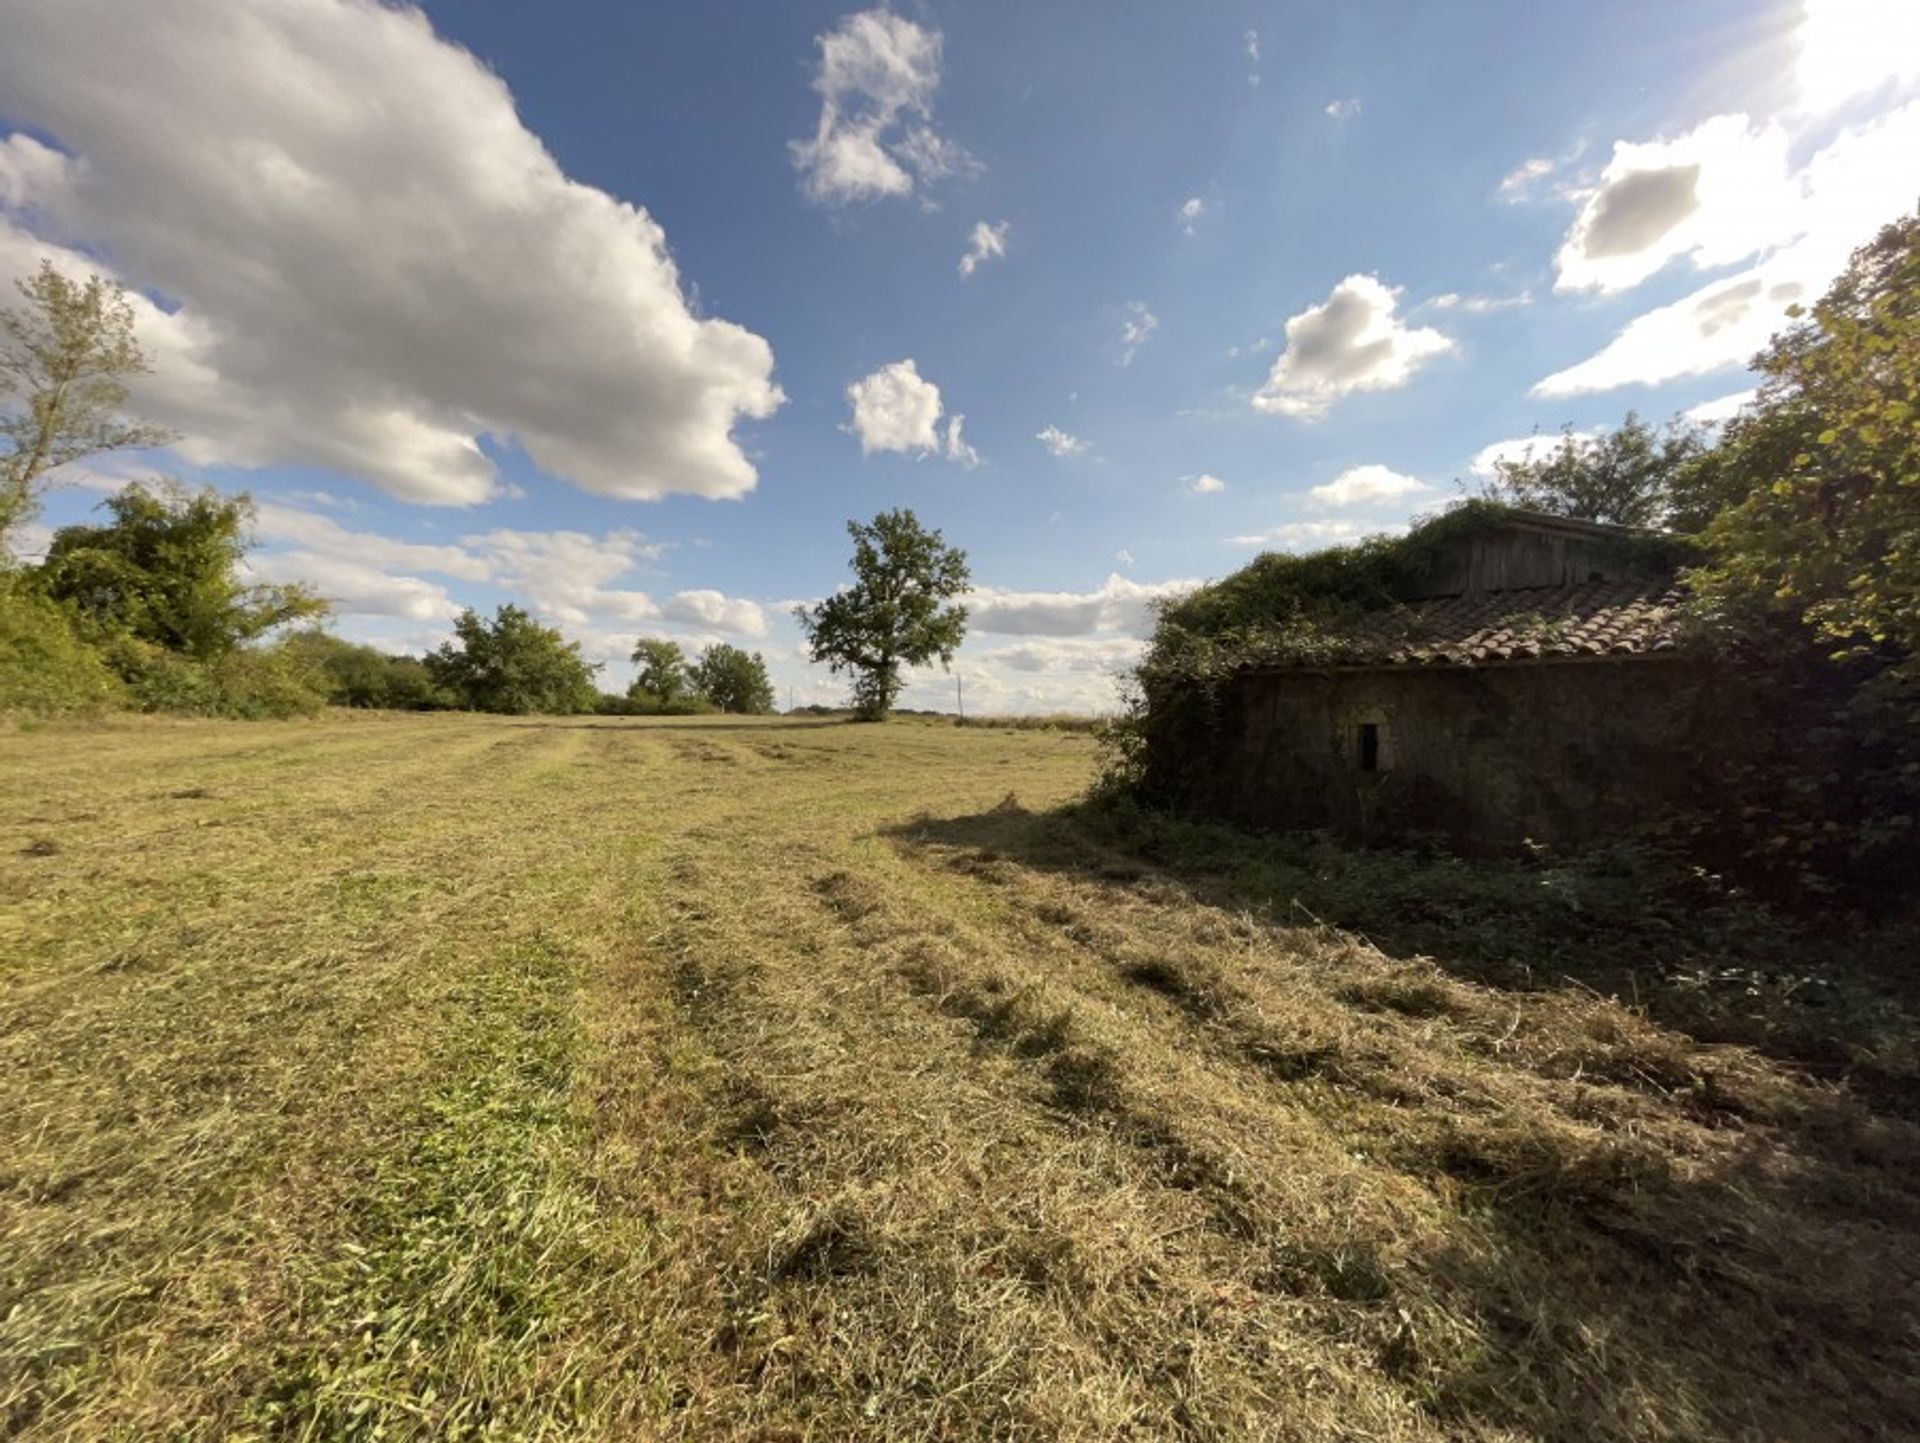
<point x="1530" y="685"/>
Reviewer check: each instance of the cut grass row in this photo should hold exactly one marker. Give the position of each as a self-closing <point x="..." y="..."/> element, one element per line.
<point x="446" y="1077"/>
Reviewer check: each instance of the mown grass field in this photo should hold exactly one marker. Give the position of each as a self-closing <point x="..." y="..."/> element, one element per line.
<point x="449" y="1077"/>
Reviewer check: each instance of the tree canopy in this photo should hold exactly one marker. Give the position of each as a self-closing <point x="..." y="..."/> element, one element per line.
<point x="1827" y="463"/>
<point x="1633" y="475"/>
<point x="898" y="612"/>
<point x="166" y="571"/>
<point x="513" y="664"/>
<point x="663" y="678"/>
<point x="733" y="680"/>
<point x="65" y="357"/>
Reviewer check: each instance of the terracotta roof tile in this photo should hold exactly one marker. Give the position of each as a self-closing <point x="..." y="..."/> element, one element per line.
<point x="1601" y="618"/>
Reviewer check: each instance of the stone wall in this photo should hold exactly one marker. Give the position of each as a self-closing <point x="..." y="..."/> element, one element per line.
<point x="1561" y="753"/>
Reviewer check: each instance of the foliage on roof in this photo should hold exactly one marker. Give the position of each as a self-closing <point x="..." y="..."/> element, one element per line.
<point x="1282" y="592"/>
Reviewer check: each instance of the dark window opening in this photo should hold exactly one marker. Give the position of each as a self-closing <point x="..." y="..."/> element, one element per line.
<point x="1369" y="746"/>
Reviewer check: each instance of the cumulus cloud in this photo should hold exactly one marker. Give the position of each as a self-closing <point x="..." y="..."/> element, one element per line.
<point x="1061" y="443"/>
<point x="1352" y="341"/>
<point x="898" y="409"/>
<point x="1792" y="198"/>
<point x="356" y="589"/>
<point x="1203" y="484"/>
<point x="717" y="611"/>
<point x="1718" y="326"/>
<point x="985" y="243"/>
<point x="1190" y="212"/>
<point x="1305" y="535"/>
<point x="1366" y="485"/>
<point x="1519" y="448"/>
<point x="875" y="137"/>
<point x="1119" y="605"/>
<point x="310" y="532"/>
<point x="1846" y="48"/>
<point x="1135" y="330"/>
<point x="1715" y="195"/>
<point x="1720" y="409"/>
<point x="1053" y="655"/>
<point x="1345" y="109"/>
<point x="374" y="262"/>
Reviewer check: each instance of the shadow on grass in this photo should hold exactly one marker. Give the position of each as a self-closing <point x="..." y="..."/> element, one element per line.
<point x="1655" y="1272"/>
<point x="1840" y="1002"/>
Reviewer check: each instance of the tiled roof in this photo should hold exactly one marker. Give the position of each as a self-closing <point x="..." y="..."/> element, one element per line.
<point x="1552" y="623"/>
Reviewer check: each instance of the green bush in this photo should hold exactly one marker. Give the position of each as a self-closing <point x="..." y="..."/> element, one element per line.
<point x="249" y="684"/>
<point x="45" y="667"/>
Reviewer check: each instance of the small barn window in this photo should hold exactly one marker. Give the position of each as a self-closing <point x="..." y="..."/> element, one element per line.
<point x="1369" y="746"/>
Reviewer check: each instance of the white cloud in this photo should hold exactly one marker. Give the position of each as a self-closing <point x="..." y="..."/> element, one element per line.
<point x="1721" y="408"/>
<point x="355" y="588"/>
<point x="896" y="409"/>
<point x="1135" y="330"/>
<point x="1479" y="305"/>
<point x="1519" y="448"/>
<point x="1204" y="484"/>
<point x="1250" y="42"/>
<point x="1119" y="605"/>
<point x="1849" y="47"/>
<point x="375" y="262"/>
<point x="1519" y="183"/>
<point x="985" y="243"/>
<point x="1715" y="195"/>
<point x="1102" y="655"/>
<point x="957" y="447"/>
<point x="310" y="532"/>
<point x="1190" y="212"/>
<point x="717" y="611"/>
<point x="1352" y="341"/>
<point x="1302" y="535"/>
<point x="1365" y="485"/>
<point x="1345" y="109"/>
<point x="1123" y="556"/>
<point x="875" y="137"/>
<point x="1798" y="224"/>
<point x="1060" y="443"/>
<point x="567" y="575"/>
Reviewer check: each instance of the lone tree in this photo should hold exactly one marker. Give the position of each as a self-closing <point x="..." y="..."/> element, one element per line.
<point x="513" y="664"/>
<point x="733" y="680"/>
<point x="898" y="612"/>
<point x="663" y="677"/>
<point x="65" y="357"/>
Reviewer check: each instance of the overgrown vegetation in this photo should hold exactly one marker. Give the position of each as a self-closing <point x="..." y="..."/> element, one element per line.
<point x="148" y="609"/>
<point x="1802" y="581"/>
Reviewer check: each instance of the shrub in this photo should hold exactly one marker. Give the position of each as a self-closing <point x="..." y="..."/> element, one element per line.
<point x="45" y="667"/>
<point x="250" y="684"/>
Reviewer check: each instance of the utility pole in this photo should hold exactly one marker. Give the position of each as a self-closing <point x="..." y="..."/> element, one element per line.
<point x="959" y="695"/>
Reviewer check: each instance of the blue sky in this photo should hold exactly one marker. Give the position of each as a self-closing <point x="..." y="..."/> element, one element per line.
<point x="622" y="311"/>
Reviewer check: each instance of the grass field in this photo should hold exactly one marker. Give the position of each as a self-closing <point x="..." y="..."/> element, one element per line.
<point x="455" y="1077"/>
